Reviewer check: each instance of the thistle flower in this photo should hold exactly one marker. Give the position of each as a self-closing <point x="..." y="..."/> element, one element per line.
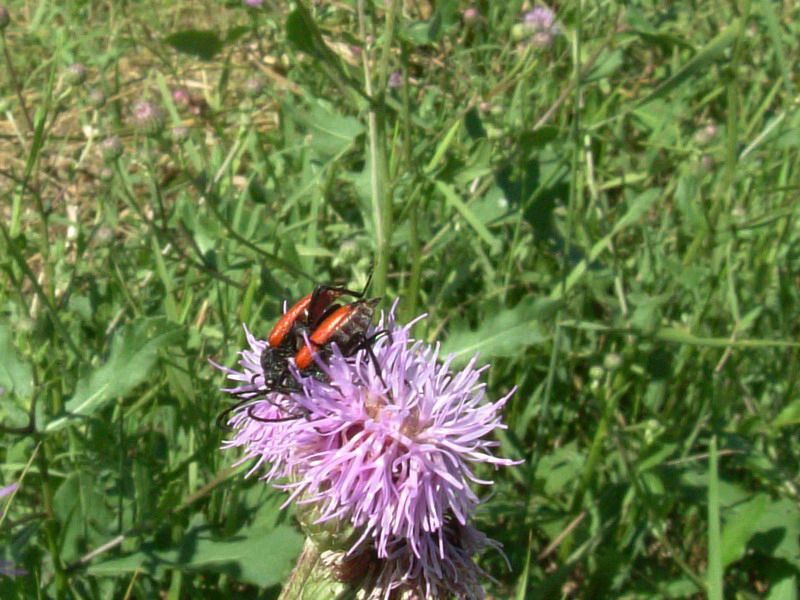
<point x="470" y="15"/>
<point x="181" y="98"/>
<point x="395" y="79"/>
<point x="541" y="23"/>
<point x="388" y="445"/>
<point x="254" y="3"/>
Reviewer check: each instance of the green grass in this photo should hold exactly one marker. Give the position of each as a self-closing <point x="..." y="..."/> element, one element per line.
<point x="566" y="211"/>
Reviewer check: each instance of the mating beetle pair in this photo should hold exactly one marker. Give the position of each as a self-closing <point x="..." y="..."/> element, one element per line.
<point x="309" y="327"/>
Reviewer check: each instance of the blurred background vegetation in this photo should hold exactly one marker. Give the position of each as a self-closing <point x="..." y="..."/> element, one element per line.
<point x="605" y="206"/>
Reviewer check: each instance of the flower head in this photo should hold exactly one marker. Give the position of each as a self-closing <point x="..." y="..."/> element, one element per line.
<point x="395" y="79"/>
<point x="254" y="3"/>
<point x="386" y="439"/>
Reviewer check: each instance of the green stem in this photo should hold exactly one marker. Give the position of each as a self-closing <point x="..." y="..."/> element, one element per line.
<point x="381" y="197"/>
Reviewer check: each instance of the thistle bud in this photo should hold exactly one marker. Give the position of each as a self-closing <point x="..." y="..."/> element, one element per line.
<point x="76" y="74"/>
<point x="5" y="18"/>
<point x="111" y="147"/>
<point x="253" y="87"/>
<point x="148" y="117"/>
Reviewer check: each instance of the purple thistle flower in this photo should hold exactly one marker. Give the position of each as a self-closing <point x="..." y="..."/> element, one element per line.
<point x="9" y="489"/>
<point x="254" y="3"/>
<point x="395" y="79"/>
<point x="388" y="447"/>
<point x="541" y="24"/>
<point x="7" y="567"/>
<point x="539" y="18"/>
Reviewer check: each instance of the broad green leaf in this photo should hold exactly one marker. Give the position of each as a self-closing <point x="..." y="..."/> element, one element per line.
<point x="133" y="356"/>
<point x="15" y="373"/>
<point x="455" y="202"/>
<point x="778" y="532"/>
<point x="740" y="525"/>
<point x="790" y="415"/>
<point x="257" y="555"/>
<point x="504" y="333"/>
<point x="204" y="44"/>
<point x="332" y="134"/>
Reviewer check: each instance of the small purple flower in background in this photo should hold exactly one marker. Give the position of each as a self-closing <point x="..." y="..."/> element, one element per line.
<point x="254" y="87"/>
<point x="541" y="22"/>
<point x="181" y="98"/>
<point x="7" y="567"/>
<point x="254" y="3"/>
<point x="387" y="446"/>
<point x="395" y="79"/>
<point x="470" y="15"/>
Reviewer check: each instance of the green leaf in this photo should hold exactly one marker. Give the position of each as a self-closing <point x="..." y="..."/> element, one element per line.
<point x="455" y="202"/>
<point x="504" y="333"/>
<point x="260" y="556"/>
<point x="204" y="44"/>
<point x="15" y="374"/>
<point x="790" y="415"/>
<point x="133" y="356"/>
<point x="699" y="63"/>
<point x="332" y="134"/>
<point x="740" y="526"/>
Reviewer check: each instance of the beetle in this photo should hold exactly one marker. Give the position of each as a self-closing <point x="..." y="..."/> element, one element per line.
<point x="287" y="335"/>
<point x="347" y="326"/>
<point x="286" y="338"/>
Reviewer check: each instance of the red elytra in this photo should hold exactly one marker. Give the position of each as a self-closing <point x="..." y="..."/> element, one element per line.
<point x="347" y="326"/>
<point x="287" y="334"/>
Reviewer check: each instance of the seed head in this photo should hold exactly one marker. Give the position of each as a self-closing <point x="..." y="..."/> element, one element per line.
<point x="5" y="18"/>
